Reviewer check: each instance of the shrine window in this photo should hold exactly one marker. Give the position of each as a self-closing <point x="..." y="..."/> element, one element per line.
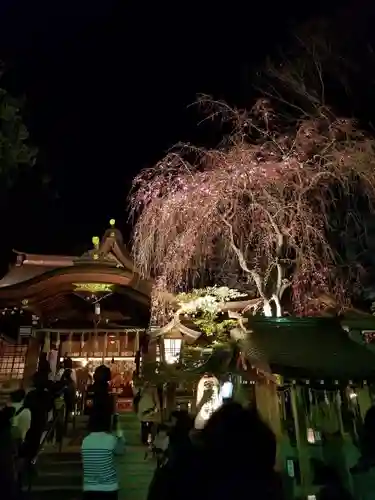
<point x="172" y="349"/>
<point x="12" y="362"/>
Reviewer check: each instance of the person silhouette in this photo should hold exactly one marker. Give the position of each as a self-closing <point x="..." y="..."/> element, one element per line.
<point x="234" y="455"/>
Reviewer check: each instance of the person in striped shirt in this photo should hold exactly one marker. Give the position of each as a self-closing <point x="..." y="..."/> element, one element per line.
<point x="99" y="449"/>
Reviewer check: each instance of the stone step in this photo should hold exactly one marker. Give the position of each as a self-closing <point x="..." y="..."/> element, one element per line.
<point x="60" y="457"/>
<point x="58" y="471"/>
<point x="55" y="466"/>
<point x="57" y="495"/>
<point x="69" y="485"/>
<point x="58" y="478"/>
<point x="60" y="474"/>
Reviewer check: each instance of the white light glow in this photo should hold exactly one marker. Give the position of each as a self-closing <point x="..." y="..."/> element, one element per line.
<point x="211" y="386"/>
<point x="172" y="350"/>
<point x="310" y="436"/>
<point x="227" y="390"/>
<point x="84" y="361"/>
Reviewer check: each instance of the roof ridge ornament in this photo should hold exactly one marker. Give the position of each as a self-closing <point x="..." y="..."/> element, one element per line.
<point x="96" y="241"/>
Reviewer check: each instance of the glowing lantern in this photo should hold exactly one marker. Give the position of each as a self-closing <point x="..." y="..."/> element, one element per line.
<point x="172" y="350"/>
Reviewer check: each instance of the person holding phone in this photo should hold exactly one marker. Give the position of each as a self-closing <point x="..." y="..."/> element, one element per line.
<point x="99" y="449"/>
<point x="226" y="390"/>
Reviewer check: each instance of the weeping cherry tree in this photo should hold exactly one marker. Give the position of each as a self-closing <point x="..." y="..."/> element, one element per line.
<point x="262" y="207"/>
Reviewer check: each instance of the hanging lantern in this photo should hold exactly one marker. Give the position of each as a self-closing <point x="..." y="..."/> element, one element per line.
<point x="97" y="309"/>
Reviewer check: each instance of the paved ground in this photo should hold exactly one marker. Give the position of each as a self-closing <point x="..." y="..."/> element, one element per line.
<point x="60" y="475"/>
<point x="135" y="473"/>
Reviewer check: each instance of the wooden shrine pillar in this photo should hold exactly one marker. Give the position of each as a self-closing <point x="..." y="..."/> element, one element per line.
<point x="149" y="353"/>
<point x="267" y="403"/>
<point x="345" y="449"/>
<point x="70" y="340"/>
<point x="105" y="346"/>
<point x="82" y="344"/>
<point x="31" y="360"/>
<point x="299" y="418"/>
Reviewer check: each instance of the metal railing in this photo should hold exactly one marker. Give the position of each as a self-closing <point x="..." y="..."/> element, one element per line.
<point x="55" y="426"/>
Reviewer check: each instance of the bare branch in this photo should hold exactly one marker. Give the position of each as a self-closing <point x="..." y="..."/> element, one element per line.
<point x="242" y="261"/>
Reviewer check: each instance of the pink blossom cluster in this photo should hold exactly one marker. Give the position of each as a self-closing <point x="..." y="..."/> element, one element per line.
<point x="267" y="195"/>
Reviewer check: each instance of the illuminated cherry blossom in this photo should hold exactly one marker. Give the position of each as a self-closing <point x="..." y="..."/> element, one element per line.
<point x="258" y="208"/>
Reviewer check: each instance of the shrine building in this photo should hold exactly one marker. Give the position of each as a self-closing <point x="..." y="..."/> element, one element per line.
<point x="93" y="308"/>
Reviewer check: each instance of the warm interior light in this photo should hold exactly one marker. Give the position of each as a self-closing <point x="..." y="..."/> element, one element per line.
<point x="172" y="350"/>
<point x="93" y="287"/>
<point x="85" y="360"/>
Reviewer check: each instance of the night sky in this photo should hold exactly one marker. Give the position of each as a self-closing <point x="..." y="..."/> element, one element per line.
<point x="108" y="86"/>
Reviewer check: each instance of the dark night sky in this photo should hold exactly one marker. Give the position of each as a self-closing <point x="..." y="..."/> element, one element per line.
<point x="107" y="87"/>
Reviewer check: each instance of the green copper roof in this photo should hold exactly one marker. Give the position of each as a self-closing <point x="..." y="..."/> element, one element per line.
<point x="308" y="347"/>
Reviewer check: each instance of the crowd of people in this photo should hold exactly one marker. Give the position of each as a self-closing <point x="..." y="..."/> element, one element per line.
<point x="218" y="461"/>
<point x="25" y="421"/>
<point x="234" y="454"/>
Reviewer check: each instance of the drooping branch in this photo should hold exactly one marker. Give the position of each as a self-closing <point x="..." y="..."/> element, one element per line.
<point x="286" y="189"/>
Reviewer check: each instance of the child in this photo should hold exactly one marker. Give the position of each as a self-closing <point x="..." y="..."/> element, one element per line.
<point x="99" y="449"/>
<point x="160" y="444"/>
